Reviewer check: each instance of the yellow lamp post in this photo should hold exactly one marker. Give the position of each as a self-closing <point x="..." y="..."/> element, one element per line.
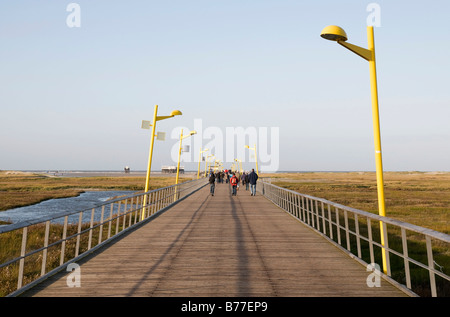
<point x="256" y="156"/>
<point x="179" y="151"/>
<point x="179" y="158"/>
<point x="206" y="163"/>
<point x="199" y="159"/>
<point x="153" y="125"/>
<point x="239" y="165"/>
<point x="335" y="33"/>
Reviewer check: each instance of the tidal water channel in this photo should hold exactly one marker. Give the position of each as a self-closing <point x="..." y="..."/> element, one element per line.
<point x="85" y="201"/>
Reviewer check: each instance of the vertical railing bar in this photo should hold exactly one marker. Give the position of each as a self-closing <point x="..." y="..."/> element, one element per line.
<point x="338" y="226"/>
<point x="293" y="204"/>
<point x="150" y="205"/>
<point x="22" y="257"/>
<point x="405" y="258"/>
<point x="90" y="228"/>
<point x="330" y="224"/>
<point x="369" y="234"/>
<point x="136" y="209"/>
<point x="110" y="219"/>
<point x="290" y="202"/>
<point x="124" y="217"/>
<point x="307" y="212"/>
<point x="317" y="215"/>
<point x="153" y="205"/>
<point x="324" y="228"/>
<point x="358" y="241"/>
<point x="431" y="266"/>
<point x="386" y="248"/>
<point x="303" y="209"/>
<point x="100" y="234"/>
<point x="44" y="253"/>
<point x="130" y="211"/>
<point x="63" y="243"/>
<point x="347" y="233"/>
<point x="77" y="246"/>
<point x="157" y="201"/>
<point x="118" y="217"/>
<point x="319" y="219"/>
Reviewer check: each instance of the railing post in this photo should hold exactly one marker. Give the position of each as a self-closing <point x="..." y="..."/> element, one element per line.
<point x="330" y="225"/>
<point x="22" y="257"/>
<point x="324" y="228"/>
<point x="369" y="235"/>
<point x="63" y="243"/>
<point x="44" y="252"/>
<point x="80" y="221"/>
<point x="110" y="220"/>
<point x="100" y="234"/>
<point x="118" y="216"/>
<point x="405" y="258"/>
<point x="347" y="233"/>
<point x="358" y="242"/>
<point x="90" y="228"/>
<point x="385" y="248"/>
<point x="431" y="266"/>
<point x="338" y="226"/>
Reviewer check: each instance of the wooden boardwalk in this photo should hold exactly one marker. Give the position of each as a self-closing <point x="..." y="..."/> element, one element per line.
<point x="240" y="246"/>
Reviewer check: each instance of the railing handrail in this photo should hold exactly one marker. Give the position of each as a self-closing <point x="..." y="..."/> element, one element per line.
<point x="26" y="223"/>
<point x="418" y="229"/>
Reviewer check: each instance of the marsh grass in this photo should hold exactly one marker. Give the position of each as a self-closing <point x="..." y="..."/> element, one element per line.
<point x="418" y="198"/>
<point x="27" y="189"/>
<point x="10" y="248"/>
<point x="59" y="250"/>
<point x="422" y="199"/>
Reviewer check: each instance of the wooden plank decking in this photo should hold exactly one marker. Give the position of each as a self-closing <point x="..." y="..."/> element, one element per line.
<point x="219" y="246"/>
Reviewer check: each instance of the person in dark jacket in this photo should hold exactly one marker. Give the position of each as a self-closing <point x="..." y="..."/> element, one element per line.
<point x="212" y="183"/>
<point x="252" y="178"/>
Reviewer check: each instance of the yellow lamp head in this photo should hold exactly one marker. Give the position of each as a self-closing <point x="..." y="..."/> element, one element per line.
<point x="176" y="113"/>
<point x="193" y="132"/>
<point x="334" y="33"/>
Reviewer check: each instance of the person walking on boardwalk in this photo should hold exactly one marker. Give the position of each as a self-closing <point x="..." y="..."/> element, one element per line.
<point x="252" y="178"/>
<point x="234" y="183"/>
<point x="212" y="183"/>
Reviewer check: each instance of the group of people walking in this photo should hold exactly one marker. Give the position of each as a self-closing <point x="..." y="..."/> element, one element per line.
<point x="234" y="178"/>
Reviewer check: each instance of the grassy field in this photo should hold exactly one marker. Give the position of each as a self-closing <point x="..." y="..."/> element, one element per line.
<point x="419" y="198"/>
<point x="22" y="189"/>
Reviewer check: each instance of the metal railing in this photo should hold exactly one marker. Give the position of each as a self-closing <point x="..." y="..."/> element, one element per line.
<point x="39" y="248"/>
<point x="408" y="247"/>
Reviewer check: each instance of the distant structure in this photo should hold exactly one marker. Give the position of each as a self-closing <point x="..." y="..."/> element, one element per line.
<point x="126" y="169"/>
<point x="172" y="169"/>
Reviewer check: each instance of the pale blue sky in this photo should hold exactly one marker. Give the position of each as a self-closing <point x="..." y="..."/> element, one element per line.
<point x="74" y="98"/>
